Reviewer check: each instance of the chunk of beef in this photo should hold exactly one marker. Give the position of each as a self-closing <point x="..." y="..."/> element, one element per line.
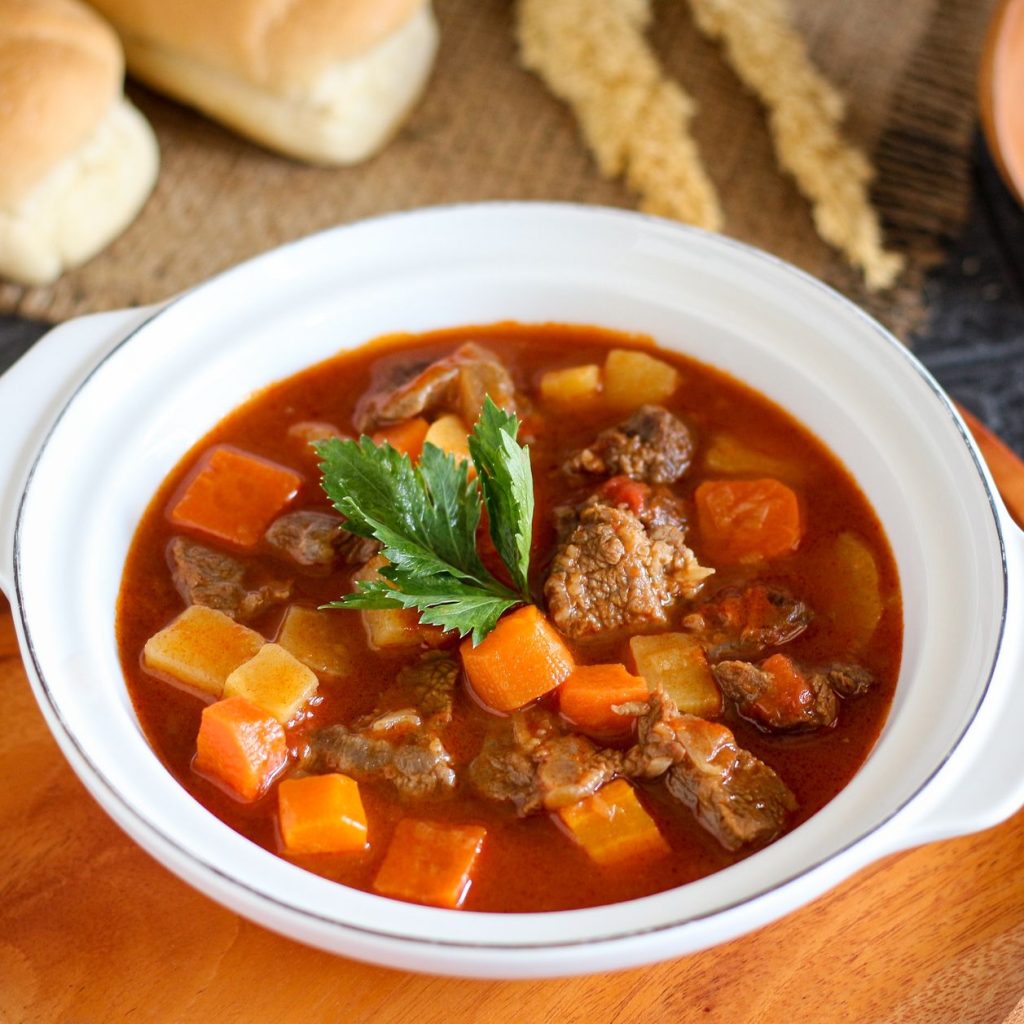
<point x="458" y="383"/>
<point x="533" y="763"/>
<point x="734" y="795"/>
<point x="652" y="445"/>
<point x="318" y="541"/>
<point x="786" y="700"/>
<point x="743" y="622"/>
<point x="308" y="538"/>
<point x="653" y="506"/>
<point x="611" y="572"/>
<point x="392" y="748"/>
<point x="429" y="685"/>
<point x="849" y="680"/>
<point x="215" y="579"/>
<point x="779" y="696"/>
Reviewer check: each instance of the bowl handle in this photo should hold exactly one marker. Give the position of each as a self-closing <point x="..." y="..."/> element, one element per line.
<point x="982" y="784"/>
<point x="32" y="393"/>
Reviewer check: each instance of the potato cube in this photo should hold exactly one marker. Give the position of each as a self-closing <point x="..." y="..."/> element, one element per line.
<point x="633" y="378"/>
<point x="678" y="663"/>
<point x="613" y="827"/>
<point x="860" y="610"/>
<point x="201" y="648"/>
<point x="321" y="814"/>
<point x="571" y="386"/>
<point x="316" y="639"/>
<point x="274" y="681"/>
<point x="728" y="454"/>
<point x="393" y="627"/>
<point x="451" y="435"/>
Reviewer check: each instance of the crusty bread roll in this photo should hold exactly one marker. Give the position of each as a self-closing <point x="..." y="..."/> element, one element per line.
<point x="78" y="160"/>
<point x="327" y="81"/>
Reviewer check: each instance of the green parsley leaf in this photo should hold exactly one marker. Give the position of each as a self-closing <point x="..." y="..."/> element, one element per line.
<point x="503" y="468"/>
<point x="427" y="516"/>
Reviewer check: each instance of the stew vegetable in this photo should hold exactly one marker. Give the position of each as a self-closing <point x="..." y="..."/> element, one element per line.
<point x="511" y="619"/>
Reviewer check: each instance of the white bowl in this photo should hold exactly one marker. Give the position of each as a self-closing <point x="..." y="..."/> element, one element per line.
<point x="102" y="408"/>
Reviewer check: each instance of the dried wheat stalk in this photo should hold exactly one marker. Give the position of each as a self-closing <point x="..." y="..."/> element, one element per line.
<point x="804" y="117"/>
<point x="593" y="55"/>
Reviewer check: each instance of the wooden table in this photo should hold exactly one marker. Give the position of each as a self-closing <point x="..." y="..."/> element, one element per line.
<point x="93" y="930"/>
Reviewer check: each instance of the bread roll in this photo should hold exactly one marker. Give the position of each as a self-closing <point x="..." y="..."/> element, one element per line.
<point x="327" y="81"/>
<point x="78" y="159"/>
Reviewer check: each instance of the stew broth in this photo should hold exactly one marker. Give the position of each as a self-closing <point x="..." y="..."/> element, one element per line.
<point x="529" y="863"/>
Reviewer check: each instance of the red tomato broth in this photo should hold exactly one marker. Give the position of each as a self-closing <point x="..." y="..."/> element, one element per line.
<point x="526" y="864"/>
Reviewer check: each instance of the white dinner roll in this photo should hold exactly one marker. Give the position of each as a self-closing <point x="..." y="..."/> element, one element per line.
<point x="78" y="159"/>
<point x="326" y="81"/>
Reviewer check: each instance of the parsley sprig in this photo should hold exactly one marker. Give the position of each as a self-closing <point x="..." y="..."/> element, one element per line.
<point x="426" y="516"/>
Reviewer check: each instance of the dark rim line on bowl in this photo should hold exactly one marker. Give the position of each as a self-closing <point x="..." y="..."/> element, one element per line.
<point x="334" y="922"/>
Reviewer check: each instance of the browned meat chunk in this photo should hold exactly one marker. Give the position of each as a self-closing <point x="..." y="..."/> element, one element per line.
<point x="611" y="572"/>
<point x="392" y="748"/>
<point x="744" y="622"/>
<point x="429" y="685"/>
<point x="318" y="541"/>
<point x="778" y="695"/>
<point x="849" y="680"/>
<point x="457" y="383"/>
<point x="783" y="699"/>
<point x="307" y="538"/>
<point x="534" y="764"/>
<point x="652" y="445"/>
<point x="735" y="796"/>
<point x="653" y="506"/>
<point x="215" y="579"/>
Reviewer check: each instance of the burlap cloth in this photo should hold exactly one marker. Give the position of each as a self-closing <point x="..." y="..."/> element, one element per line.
<point x="486" y="129"/>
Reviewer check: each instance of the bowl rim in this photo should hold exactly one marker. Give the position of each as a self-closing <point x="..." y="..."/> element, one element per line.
<point x="183" y="854"/>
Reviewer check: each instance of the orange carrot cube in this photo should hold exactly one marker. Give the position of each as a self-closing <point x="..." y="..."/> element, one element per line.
<point x="613" y="827"/>
<point x="743" y="521"/>
<point x="521" y="659"/>
<point x="240" y="746"/>
<point x="588" y="695"/>
<point x="234" y="496"/>
<point x="407" y="436"/>
<point x="430" y="862"/>
<point x="321" y="814"/>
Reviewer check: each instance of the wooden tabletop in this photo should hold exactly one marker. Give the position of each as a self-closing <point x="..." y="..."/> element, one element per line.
<point x="93" y="930"/>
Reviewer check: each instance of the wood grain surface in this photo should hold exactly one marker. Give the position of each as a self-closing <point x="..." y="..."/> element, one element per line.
<point x="93" y="931"/>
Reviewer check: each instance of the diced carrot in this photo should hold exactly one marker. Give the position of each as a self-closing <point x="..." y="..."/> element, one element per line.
<point x="747" y="520"/>
<point x="588" y="695"/>
<point x="407" y="436"/>
<point x="613" y="827"/>
<point x="790" y="694"/>
<point x="429" y="862"/>
<point x="240" y="746"/>
<point x="234" y="496"/>
<point x="522" y="658"/>
<point x="321" y="814"/>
